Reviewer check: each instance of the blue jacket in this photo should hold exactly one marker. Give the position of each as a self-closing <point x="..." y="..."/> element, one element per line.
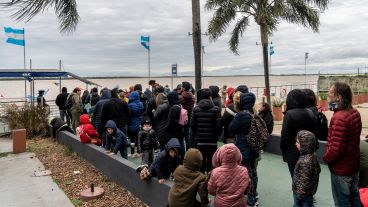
<point x="136" y="110"/>
<point x="240" y="126"/>
<point x="164" y="165"/>
<point x="121" y="140"/>
<point x="106" y="95"/>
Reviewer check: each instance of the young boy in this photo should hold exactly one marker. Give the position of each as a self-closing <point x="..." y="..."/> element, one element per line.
<point x="165" y="163"/>
<point x="307" y="169"/>
<point x="116" y="140"/>
<point x="188" y="180"/>
<point x="147" y="142"/>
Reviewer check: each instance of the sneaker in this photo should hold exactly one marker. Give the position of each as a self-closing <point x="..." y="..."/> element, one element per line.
<point x="140" y="167"/>
<point x="130" y="155"/>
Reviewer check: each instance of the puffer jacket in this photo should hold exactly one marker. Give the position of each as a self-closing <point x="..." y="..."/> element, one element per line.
<point x="61" y="99"/>
<point x="296" y="118"/>
<point x="187" y="100"/>
<point x="307" y="169"/>
<point x="267" y="116"/>
<point x="173" y="129"/>
<point x="136" y="110"/>
<point x="117" y="110"/>
<point x="147" y="140"/>
<point x="120" y="138"/>
<point x="216" y="98"/>
<point x="188" y="180"/>
<point x="228" y="189"/>
<point x="205" y="122"/>
<point x="240" y="126"/>
<point x="226" y="119"/>
<point x="161" y="119"/>
<point x="342" y="151"/>
<point x="93" y="98"/>
<point x="106" y="95"/>
<point x="164" y="165"/>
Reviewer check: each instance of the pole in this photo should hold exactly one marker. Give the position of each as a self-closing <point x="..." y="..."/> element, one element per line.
<point x="149" y="59"/>
<point x="270" y="63"/>
<point x="202" y="67"/>
<point x="31" y="89"/>
<point x="305" y="69"/>
<point x="60" y="77"/>
<point x="25" y="65"/>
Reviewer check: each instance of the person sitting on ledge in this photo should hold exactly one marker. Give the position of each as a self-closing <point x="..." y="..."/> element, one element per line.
<point x="86" y="132"/>
<point x="165" y="163"/>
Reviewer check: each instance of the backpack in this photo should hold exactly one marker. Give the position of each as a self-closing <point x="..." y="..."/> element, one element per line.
<point x="69" y="102"/>
<point x="183" y="120"/>
<point x="322" y="127"/>
<point x="258" y="134"/>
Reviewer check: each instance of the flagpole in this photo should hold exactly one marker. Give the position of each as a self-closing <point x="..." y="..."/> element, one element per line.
<point x="149" y="59"/>
<point x="25" y="64"/>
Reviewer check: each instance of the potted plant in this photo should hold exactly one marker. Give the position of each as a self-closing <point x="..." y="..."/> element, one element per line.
<point x="277" y="104"/>
<point x="322" y="102"/>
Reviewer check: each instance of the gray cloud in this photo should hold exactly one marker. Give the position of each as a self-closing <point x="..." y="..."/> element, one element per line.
<point x="107" y="41"/>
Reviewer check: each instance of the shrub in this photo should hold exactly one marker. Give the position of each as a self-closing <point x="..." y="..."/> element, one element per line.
<point x="278" y="102"/>
<point x="31" y="118"/>
<point x="323" y="96"/>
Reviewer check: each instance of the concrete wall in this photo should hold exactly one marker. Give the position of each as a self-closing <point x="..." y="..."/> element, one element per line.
<point x="119" y="170"/>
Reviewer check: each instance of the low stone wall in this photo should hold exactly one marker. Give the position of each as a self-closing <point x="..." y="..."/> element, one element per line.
<point x="120" y="170"/>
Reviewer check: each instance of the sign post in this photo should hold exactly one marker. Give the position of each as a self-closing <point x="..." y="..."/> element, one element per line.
<point x="174" y="71"/>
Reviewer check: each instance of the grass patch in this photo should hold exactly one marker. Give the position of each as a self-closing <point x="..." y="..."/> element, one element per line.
<point x="76" y="202"/>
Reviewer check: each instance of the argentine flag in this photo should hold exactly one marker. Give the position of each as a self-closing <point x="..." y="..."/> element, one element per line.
<point x="145" y="41"/>
<point x="15" y="36"/>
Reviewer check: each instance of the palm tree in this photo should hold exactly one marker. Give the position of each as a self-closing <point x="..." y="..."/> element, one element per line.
<point x="66" y="11"/>
<point x="197" y="42"/>
<point x="267" y="14"/>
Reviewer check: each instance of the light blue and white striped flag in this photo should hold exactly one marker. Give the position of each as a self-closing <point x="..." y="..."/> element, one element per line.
<point x="145" y="41"/>
<point x="15" y="36"/>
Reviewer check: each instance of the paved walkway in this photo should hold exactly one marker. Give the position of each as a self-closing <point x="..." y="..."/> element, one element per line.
<point x="19" y="186"/>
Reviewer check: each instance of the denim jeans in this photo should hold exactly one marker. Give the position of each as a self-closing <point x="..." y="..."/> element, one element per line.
<point x="63" y="115"/>
<point x="305" y="202"/>
<point x="345" y="190"/>
<point x="291" y="169"/>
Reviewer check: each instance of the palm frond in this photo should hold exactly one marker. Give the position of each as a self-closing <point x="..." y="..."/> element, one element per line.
<point x="220" y="20"/>
<point x="66" y="11"/>
<point x="299" y="12"/>
<point x="238" y="32"/>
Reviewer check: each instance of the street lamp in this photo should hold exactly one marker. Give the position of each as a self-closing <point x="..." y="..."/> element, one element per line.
<point x="305" y="68"/>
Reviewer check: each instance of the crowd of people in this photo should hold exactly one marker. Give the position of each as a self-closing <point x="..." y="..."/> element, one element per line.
<point x="185" y="126"/>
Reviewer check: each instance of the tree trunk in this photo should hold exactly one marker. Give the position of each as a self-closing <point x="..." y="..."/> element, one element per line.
<point x="264" y="39"/>
<point x="197" y="42"/>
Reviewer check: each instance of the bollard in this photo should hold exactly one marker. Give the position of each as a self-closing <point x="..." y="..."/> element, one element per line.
<point x="19" y="140"/>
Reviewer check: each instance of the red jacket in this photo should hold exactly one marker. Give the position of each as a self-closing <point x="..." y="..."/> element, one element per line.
<point x="87" y="132"/>
<point x="342" y="152"/>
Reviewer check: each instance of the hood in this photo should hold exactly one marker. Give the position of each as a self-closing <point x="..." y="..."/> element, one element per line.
<point x="90" y="130"/>
<point x="215" y="91"/>
<point x="111" y="124"/>
<point x="242" y="88"/>
<point x="307" y="142"/>
<point x="173" y="98"/>
<point x="206" y="104"/>
<point x="106" y="94"/>
<point x="138" y="87"/>
<point x="84" y="119"/>
<point x="173" y="143"/>
<point x="296" y="98"/>
<point x="227" y="155"/>
<point x="148" y="93"/>
<point x="230" y="91"/>
<point x="187" y="95"/>
<point x="161" y="98"/>
<point x="193" y="159"/>
<point x="134" y="96"/>
<point x="247" y="101"/>
<point x="94" y="94"/>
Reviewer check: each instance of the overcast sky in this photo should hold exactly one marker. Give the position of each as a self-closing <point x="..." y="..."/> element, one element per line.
<point x="107" y="41"/>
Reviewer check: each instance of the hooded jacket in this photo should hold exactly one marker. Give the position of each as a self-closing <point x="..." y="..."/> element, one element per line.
<point x="188" y="180"/>
<point x="93" y="98"/>
<point x="164" y="165"/>
<point x="160" y="117"/>
<point x="87" y="132"/>
<point x="147" y="140"/>
<point x="173" y="129"/>
<point x="187" y="100"/>
<point x="228" y="189"/>
<point x="216" y="98"/>
<point x="61" y="99"/>
<point x="230" y="92"/>
<point x="307" y="169"/>
<point x="117" y="110"/>
<point x="296" y="118"/>
<point x="136" y="110"/>
<point x="121" y="140"/>
<point x="226" y="119"/>
<point x="342" y="151"/>
<point x="205" y="122"/>
<point x="267" y="116"/>
<point x="106" y="95"/>
<point x="77" y="102"/>
<point x="240" y="126"/>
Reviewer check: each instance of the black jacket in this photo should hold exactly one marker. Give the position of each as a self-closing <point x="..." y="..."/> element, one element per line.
<point x="173" y="129"/>
<point x="296" y="118"/>
<point x="147" y="140"/>
<point x="160" y="117"/>
<point x="117" y="110"/>
<point x="61" y="99"/>
<point x="205" y="125"/>
<point x="267" y="116"/>
<point x="93" y="98"/>
<point x="226" y="119"/>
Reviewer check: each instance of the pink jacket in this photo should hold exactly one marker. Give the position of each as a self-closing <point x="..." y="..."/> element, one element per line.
<point x="228" y="180"/>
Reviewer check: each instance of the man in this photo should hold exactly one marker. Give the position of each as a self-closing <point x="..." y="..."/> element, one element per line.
<point x="76" y="109"/>
<point x="342" y="152"/>
<point x="60" y="102"/>
<point x="187" y="100"/>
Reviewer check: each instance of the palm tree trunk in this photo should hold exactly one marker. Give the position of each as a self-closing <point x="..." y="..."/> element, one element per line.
<point x="264" y="39"/>
<point x="197" y="42"/>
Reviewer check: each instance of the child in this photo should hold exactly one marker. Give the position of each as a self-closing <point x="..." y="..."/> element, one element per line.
<point x="265" y="113"/>
<point x="165" y="163"/>
<point x="307" y="169"/>
<point x="229" y="190"/>
<point x="86" y="131"/>
<point x="147" y="142"/>
<point x="188" y="180"/>
<point x="116" y="139"/>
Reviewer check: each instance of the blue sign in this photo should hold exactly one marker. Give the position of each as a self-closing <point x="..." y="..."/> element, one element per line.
<point x="174" y="69"/>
